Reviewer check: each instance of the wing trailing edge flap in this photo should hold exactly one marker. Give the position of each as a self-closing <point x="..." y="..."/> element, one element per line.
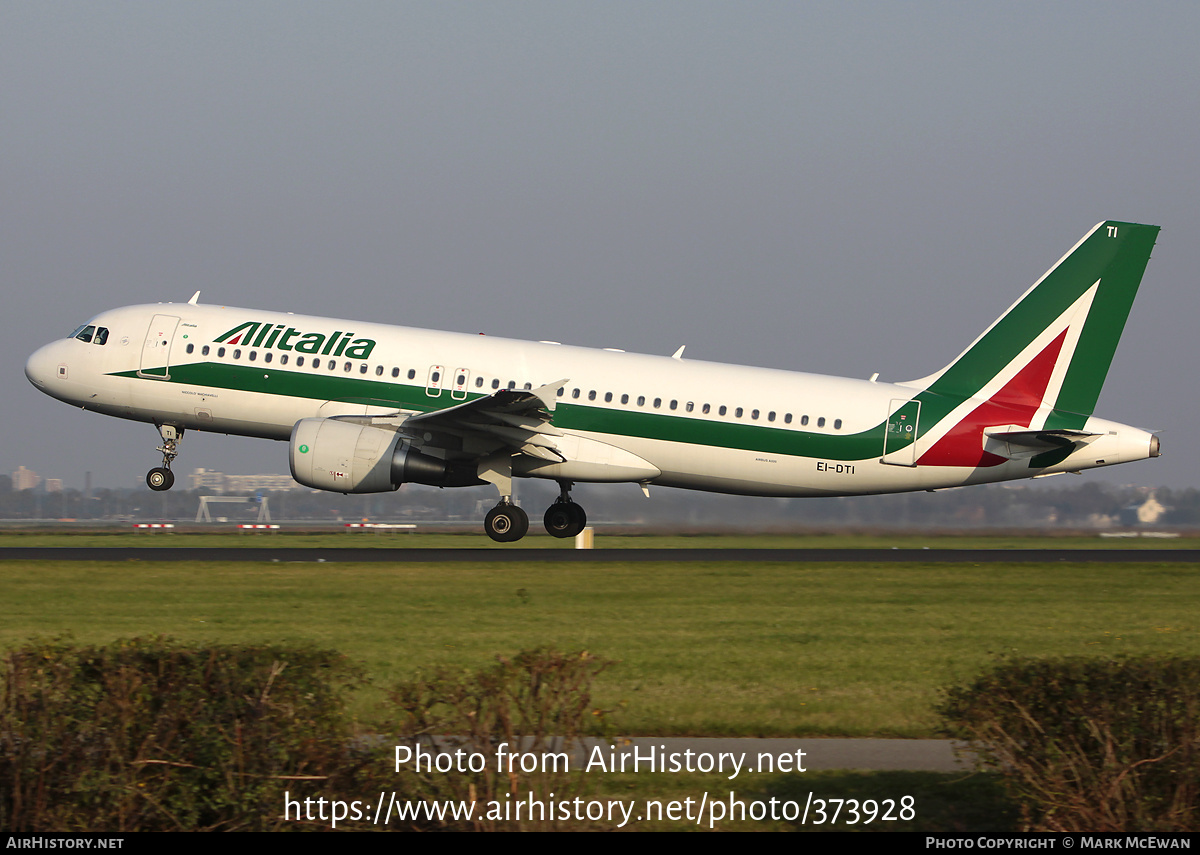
<point x="509" y="418"/>
<point x="1016" y="442"/>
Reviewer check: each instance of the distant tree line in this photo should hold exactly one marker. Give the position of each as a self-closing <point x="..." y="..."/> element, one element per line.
<point x="1085" y="504"/>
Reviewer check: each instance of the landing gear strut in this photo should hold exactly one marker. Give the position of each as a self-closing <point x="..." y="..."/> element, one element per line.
<point x="564" y="518"/>
<point x="161" y="477"/>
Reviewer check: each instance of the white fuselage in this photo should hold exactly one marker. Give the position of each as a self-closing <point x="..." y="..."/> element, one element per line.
<point x="698" y="425"/>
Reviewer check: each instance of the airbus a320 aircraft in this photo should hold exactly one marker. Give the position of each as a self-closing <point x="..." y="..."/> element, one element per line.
<point x="366" y="407"/>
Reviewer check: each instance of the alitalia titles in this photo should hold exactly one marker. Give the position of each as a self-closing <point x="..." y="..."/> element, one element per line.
<point x="281" y="337"/>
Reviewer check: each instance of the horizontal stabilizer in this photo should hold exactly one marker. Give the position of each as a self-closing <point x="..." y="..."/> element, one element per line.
<point x="1015" y="442"/>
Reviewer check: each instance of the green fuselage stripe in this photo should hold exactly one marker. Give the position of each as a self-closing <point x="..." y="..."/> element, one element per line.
<point x="268" y="380"/>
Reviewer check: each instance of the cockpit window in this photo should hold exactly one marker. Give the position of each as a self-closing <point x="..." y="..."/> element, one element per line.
<point x="91" y="333"/>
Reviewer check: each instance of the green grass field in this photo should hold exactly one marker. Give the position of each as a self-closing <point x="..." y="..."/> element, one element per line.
<point x="716" y="648"/>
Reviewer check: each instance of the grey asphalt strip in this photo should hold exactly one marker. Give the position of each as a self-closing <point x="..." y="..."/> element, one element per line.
<point x="503" y="554"/>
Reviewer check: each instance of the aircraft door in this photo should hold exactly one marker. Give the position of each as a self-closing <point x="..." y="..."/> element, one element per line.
<point x="434" y="380"/>
<point x="156" y="350"/>
<point x="900" y="435"/>
<point x="461" y="376"/>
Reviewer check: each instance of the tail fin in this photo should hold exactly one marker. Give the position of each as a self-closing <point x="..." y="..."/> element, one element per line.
<point x="1052" y="349"/>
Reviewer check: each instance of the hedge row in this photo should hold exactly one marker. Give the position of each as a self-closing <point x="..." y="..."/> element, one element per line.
<point x="1090" y="745"/>
<point x="154" y="735"/>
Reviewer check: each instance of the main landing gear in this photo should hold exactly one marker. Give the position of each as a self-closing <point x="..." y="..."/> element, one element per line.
<point x="507" y="523"/>
<point x="161" y="477"/>
<point x="564" y="518"/>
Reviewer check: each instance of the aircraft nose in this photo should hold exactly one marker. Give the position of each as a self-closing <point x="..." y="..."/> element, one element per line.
<point x="42" y="365"/>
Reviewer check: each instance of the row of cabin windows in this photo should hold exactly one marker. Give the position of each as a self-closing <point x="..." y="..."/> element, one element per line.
<point x="435" y="377"/>
<point x="706" y="409"/>
<point x="314" y="362"/>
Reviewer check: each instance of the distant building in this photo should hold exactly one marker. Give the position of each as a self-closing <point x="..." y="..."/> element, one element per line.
<point x="207" y="479"/>
<point x="54" y="485"/>
<point x="1147" y="513"/>
<point x="25" y="479"/>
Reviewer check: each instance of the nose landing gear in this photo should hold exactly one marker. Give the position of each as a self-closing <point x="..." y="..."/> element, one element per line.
<point x="161" y="477"/>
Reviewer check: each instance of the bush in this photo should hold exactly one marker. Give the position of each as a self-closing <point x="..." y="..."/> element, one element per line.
<point x="152" y="735"/>
<point x="1090" y="745"/>
<point x="538" y="702"/>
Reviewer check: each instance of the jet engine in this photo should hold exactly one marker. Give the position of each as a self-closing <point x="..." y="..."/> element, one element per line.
<point x="350" y="457"/>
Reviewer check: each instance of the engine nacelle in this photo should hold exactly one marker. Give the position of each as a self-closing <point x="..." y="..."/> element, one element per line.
<point x="348" y="457"/>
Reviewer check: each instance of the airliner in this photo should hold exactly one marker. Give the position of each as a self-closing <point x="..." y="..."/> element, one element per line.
<point x="366" y="407"/>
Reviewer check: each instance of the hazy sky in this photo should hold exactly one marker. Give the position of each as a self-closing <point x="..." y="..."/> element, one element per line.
<point x="841" y="188"/>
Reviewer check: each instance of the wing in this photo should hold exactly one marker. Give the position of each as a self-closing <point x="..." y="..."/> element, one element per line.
<point x="514" y="419"/>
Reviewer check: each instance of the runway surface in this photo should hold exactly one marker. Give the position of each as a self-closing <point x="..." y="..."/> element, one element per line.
<point x="532" y="556"/>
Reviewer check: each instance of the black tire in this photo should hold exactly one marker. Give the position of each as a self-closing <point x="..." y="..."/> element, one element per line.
<point x="506" y="523"/>
<point x="564" y="519"/>
<point x="159" y="479"/>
